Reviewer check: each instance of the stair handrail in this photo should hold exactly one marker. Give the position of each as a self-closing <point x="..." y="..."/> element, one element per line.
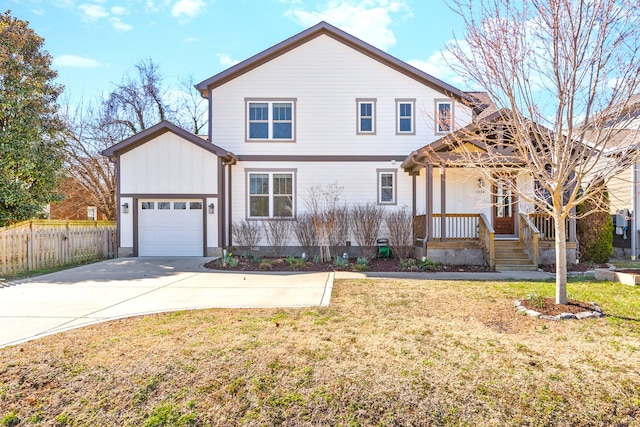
<point x="486" y="234"/>
<point x="529" y="235"/>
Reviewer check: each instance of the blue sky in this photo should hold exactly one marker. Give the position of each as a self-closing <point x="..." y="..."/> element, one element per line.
<point x="95" y="42"/>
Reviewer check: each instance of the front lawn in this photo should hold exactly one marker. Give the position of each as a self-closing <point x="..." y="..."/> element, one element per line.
<point x="386" y="352"/>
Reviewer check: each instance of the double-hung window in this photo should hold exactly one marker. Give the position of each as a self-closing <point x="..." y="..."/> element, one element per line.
<point x="444" y="116"/>
<point x="405" y="110"/>
<point x="366" y="116"/>
<point x="270" y="120"/>
<point x="271" y="194"/>
<point x="386" y="187"/>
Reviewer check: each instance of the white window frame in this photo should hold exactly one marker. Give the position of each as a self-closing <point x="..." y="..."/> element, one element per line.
<point x="438" y="103"/>
<point x="394" y="186"/>
<point x="94" y="210"/>
<point x="359" y="116"/>
<point x="412" y="103"/>
<point x="270" y="194"/>
<point x="270" y="120"/>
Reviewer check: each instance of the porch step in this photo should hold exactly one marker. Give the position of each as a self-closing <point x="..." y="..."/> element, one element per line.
<point x="511" y="255"/>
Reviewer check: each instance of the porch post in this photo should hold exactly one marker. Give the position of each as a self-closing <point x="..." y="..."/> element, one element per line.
<point x="429" y="202"/>
<point x="443" y="203"/>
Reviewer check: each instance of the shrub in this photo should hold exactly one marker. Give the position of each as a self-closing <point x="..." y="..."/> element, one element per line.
<point x="409" y="264"/>
<point x="365" y="224"/>
<point x="595" y="229"/>
<point x="228" y="261"/>
<point x="295" y="263"/>
<point x="400" y="227"/>
<point x="340" y="262"/>
<point x="306" y="233"/>
<point x="246" y="234"/>
<point x="427" y="265"/>
<point x="277" y="234"/>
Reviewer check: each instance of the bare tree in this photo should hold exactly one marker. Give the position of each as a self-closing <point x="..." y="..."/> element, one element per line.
<point x="193" y="110"/>
<point x="139" y="101"/>
<point x="561" y="73"/>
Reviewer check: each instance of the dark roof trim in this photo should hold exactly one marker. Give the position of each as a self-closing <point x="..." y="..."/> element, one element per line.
<point x="311" y="33"/>
<point x="159" y="129"/>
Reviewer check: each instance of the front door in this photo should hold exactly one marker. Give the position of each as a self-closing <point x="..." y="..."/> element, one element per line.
<point x="503" y="205"/>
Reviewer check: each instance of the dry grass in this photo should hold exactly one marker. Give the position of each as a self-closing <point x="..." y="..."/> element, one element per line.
<point x="386" y="352"/>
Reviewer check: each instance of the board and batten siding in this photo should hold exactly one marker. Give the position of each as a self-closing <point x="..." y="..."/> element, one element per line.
<point x="168" y="165"/>
<point x="326" y="77"/>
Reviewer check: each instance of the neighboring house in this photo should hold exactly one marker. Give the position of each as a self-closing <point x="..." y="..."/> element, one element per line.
<point x="317" y="109"/>
<point x="76" y="203"/>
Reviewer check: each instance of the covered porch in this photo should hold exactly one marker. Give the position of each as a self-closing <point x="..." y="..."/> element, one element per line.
<point x="474" y="202"/>
<point x="468" y="238"/>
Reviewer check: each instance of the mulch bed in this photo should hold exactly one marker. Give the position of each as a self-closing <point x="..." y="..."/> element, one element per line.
<point x="580" y="267"/>
<point x="377" y="265"/>
<point x="549" y="307"/>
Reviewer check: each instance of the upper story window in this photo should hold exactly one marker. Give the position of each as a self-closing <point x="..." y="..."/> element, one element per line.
<point x="366" y="116"/>
<point x="271" y="194"/>
<point x="270" y="120"/>
<point x="444" y="116"/>
<point x="405" y="110"/>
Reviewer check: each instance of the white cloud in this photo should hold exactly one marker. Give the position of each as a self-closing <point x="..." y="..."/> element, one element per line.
<point x="369" y="20"/>
<point x="225" y="60"/>
<point x="442" y="64"/>
<point x="190" y="39"/>
<point x="75" y="61"/>
<point x="187" y="8"/>
<point x="119" y="25"/>
<point x="119" y="10"/>
<point x="92" y="12"/>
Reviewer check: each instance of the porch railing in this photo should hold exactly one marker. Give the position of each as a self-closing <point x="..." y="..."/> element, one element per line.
<point x="529" y="236"/>
<point x="544" y="224"/>
<point x="457" y="227"/>
<point x="486" y="235"/>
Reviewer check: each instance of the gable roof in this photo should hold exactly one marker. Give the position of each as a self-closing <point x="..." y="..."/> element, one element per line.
<point x="317" y="30"/>
<point x="159" y="129"/>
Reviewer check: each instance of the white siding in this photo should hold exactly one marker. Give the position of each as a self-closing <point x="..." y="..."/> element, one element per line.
<point x="358" y="181"/>
<point x="326" y="77"/>
<point x="168" y="165"/>
<point x="126" y="223"/>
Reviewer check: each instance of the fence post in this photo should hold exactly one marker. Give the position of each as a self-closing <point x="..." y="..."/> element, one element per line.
<point x="30" y="240"/>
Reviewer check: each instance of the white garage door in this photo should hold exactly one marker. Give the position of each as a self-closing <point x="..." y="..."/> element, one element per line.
<point x="170" y="228"/>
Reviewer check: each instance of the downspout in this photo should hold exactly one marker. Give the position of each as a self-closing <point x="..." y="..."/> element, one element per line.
<point x="226" y="193"/>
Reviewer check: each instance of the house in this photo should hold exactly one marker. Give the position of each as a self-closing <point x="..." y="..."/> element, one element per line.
<point x="317" y="109"/>
<point x="76" y="203"/>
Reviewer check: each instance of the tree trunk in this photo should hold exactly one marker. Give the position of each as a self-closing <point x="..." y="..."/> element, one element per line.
<point x="561" y="259"/>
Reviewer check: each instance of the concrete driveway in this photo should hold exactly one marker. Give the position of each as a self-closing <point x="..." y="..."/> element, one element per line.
<point x="125" y="287"/>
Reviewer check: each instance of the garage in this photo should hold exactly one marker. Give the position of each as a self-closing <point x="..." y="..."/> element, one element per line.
<point x="172" y="227"/>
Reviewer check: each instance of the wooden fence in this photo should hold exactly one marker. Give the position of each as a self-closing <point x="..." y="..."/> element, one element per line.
<point x="38" y="244"/>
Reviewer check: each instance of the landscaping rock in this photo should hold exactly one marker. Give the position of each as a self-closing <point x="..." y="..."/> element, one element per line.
<point x="565" y="316"/>
<point x="585" y="315"/>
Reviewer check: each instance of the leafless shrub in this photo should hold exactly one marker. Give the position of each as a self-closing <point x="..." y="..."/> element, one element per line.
<point x="306" y="233"/>
<point x="366" y="220"/>
<point x="340" y="230"/>
<point x="323" y="203"/>
<point x="246" y="234"/>
<point x="399" y="226"/>
<point x="277" y="234"/>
